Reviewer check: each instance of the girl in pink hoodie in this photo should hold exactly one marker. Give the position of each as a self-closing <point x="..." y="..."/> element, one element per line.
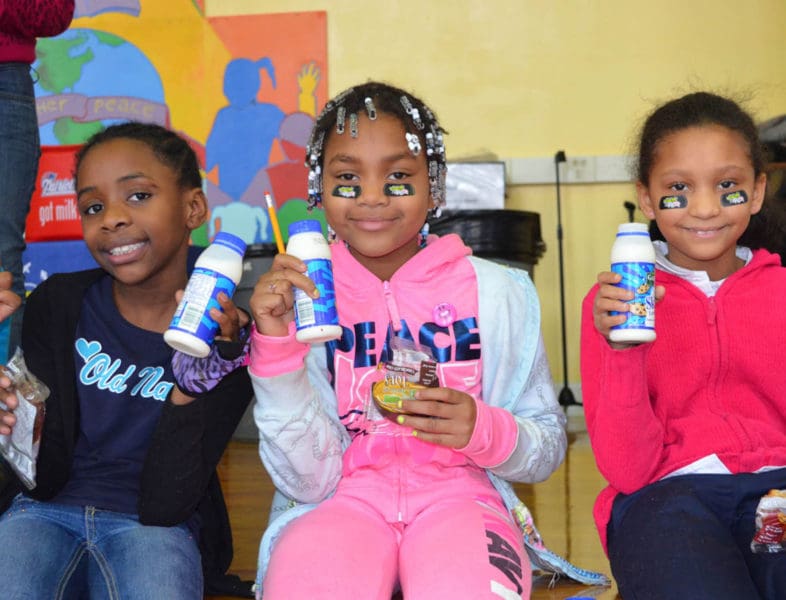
<point x="414" y="501"/>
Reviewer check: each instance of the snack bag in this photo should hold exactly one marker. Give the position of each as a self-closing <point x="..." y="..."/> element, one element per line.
<point x="20" y="448"/>
<point x="770" y="533"/>
<point x="411" y="367"/>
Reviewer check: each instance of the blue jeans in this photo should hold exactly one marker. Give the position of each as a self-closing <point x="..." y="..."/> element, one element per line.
<point x="689" y="537"/>
<point x="20" y="150"/>
<point x="64" y="552"/>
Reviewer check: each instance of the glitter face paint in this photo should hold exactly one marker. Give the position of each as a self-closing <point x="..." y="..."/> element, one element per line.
<point x="734" y="198"/>
<point x="673" y="202"/>
<point x="346" y="191"/>
<point x="399" y="189"/>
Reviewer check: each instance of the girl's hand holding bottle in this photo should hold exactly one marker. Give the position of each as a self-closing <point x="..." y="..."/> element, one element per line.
<point x="440" y="415"/>
<point x="196" y="376"/>
<point x="611" y="298"/>
<point x="231" y="320"/>
<point x="272" y="303"/>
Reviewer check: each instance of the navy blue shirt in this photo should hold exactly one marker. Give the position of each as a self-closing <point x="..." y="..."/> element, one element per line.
<point x="123" y="377"/>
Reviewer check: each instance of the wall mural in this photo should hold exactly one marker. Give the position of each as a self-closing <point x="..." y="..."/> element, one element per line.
<point x="244" y="90"/>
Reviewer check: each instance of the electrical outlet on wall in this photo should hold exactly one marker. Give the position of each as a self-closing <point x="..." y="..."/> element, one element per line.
<point x="580" y="169"/>
<point x="576" y="169"/>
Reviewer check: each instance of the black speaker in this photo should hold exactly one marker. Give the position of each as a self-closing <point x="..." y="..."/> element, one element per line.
<point x="507" y="236"/>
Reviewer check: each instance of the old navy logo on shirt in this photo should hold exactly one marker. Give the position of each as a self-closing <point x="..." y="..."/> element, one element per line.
<point x="103" y="372"/>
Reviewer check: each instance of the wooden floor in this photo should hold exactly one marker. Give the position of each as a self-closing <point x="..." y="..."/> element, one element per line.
<point x="562" y="507"/>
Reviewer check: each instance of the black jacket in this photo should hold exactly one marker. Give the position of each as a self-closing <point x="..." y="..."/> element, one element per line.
<point x="178" y="476"/>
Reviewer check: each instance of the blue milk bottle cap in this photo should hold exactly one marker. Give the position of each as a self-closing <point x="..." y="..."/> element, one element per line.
<point x="230" y="241"/>
<point x="305" y="226"/>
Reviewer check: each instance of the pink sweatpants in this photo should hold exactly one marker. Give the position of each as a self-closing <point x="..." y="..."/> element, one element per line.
<point x="451" y="549"/>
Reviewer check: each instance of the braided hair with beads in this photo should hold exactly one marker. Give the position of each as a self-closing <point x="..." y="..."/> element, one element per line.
<point x="421" y="126"/>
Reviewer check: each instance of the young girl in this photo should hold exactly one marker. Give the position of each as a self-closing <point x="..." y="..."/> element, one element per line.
<point x="126" y="456"/>
<point x="417" y="500"/>
<point x="690" y="430"/>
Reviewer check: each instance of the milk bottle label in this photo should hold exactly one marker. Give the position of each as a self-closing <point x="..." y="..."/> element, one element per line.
<point x="201" y="294"/>
<point x="322" y="311"/>
<point x="638" y="277"/>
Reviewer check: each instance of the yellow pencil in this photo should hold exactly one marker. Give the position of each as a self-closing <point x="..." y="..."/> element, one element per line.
<point x="271" y="210"/>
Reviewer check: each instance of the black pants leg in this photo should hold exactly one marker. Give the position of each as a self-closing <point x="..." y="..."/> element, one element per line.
<point x="689" y="537"/>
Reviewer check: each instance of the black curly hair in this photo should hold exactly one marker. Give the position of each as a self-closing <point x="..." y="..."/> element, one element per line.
<point x="170" y="148"/>
<point x="695" y="110"/>
<point x="766" y="228"/>
<point x="371" y="98"/>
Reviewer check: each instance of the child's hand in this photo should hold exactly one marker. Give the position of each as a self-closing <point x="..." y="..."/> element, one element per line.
<point x="9" y="301"/>
<point x="9" y="404"/>
<point x="230" y="318"/>
<point x="272" y="303"/>
<point x="196" y="376"/>
<point x="442" y="416"/>
<point x="612" y="298"/>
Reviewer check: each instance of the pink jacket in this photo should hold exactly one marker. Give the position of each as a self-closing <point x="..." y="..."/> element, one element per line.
<point x="360" y="437"/>
<point x="21" y="22"/>
<point x="712" y="383"/>
<point x="318" y="432"/>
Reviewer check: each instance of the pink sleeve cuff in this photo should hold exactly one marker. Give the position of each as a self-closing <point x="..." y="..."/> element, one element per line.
<point x="272" y="356"/>
<point x="629" y="391"/>
<point x="494" y="438"/>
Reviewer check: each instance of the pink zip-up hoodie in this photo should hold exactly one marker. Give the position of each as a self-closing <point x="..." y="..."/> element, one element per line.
<point x="439" y="278"/>
<point x="320" y="433"/>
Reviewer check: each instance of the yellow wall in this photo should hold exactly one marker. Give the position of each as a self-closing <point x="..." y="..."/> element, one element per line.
<point x="525" y="78"/>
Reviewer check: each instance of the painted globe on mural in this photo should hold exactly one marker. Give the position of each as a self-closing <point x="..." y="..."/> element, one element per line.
<point x="88" y="79"/>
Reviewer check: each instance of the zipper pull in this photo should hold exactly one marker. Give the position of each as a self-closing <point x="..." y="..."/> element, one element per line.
<point x="390" y="302"/>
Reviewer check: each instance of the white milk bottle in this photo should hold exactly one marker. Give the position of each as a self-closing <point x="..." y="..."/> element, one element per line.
<point x="633" y="257"/>
<point x="316" y="320"/>
<point x="218" y="269"/>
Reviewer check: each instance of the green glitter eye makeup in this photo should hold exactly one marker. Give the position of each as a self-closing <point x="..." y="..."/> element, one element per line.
<point x="734" y="198"/>
<point x="673" y="202"/>
<point x="347" y="191"/>
<point x="399" y="189"/>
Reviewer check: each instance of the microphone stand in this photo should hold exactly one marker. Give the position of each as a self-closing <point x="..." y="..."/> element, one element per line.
<point x="566" y="397"/>
<point x="631" y="208"/>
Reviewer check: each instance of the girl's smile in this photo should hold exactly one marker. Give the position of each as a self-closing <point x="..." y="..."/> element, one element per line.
<point x="126" y="253"/>
<point x="372" y="223"/>
<point x="705" y="233"/>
